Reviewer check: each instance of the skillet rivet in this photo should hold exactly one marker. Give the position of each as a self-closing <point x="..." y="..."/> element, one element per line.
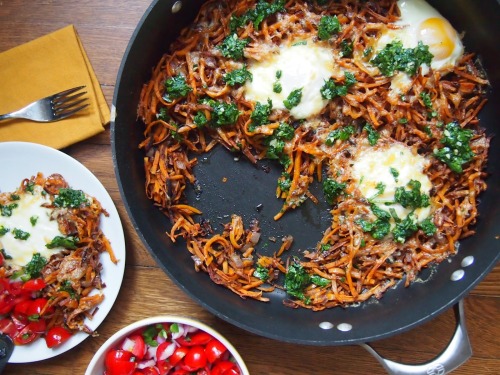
<point x="344" y="327"/>
<point x="326" y="325"/>
<point x="177" y="6"/>
<point x="457" y="275"/>
<point x="467" y="261"/>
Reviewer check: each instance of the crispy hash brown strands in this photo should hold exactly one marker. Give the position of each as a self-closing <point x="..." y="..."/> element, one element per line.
<point x="72" y="276"/>
<point x="349" y="265"/>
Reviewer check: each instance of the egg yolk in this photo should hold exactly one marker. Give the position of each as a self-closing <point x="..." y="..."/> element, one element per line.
<point x="439" y="35"/>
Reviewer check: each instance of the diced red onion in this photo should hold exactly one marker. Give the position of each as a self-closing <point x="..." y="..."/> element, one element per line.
<point x="167" y="352"/>
<point x="145" y="364"/>
<point x="128" y="345"/>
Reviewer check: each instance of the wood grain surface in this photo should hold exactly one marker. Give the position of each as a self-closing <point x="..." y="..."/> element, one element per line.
<point x="105" y="27"/>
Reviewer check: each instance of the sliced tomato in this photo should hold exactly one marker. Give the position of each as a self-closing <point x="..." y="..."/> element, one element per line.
<point x="8" y="327"/>
<point x="34" y="285"/>
<point x="38" y="305"/>
<point x="56" y="336"/>
<point x="225" y="368"/>
<point x="177" y="355"/>
<point x="119" y="362"/>
<point x="214" y="350"/>
<point x="197" y="338"/>
<point x="164" y="367"/>
<point x="136" y="345"/>
<point x="195" y="358"/>
<point x="26" y="335"/>
<point x="21" y="310"/>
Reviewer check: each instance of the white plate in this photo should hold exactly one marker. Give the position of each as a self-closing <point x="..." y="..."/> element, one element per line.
<point x="21" y="160"/>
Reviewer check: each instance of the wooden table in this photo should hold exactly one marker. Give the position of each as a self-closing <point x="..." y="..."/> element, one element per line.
<point x="105" y="27"/>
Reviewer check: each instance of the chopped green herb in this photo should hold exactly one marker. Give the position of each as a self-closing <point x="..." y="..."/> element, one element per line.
<point x="261" y="112"/>
<point x="293" y="99"/>
<point x="342" y="134"/>
<point x="394" y="57"/>
<point x="373" y="135"/>
<point x="237" y="76"/>
<point x="7" y="210"/>
<point x="328" y="26"/>
<point x="20" y="234"/>
<point x="296" y="280"/>
<point x="284" y="182"/>
<point x="456" y="151"/>
<point x="278" y="74"/>
<point x="261" y="272"/>
<point x="405" y="228"/>
<point x="30" y="187"/>
<point x="412" y="198"/>
<point x="149" y="335"/>
<point x="222" y="113"/>
<point x="232" y="47"/>
<point x="395" y="173"/>
<point x="200" y="119"/>
<point x="346" y="48"/>
<point x="67" y="287"/>
<point x="33" y="220"/>
<point x="277" y="88"/>
<point x="256" y="15"/>
<point x="35" y="266"/>
<point x="176" y="87"/>
<point x="333" y="189"/>
<point x="14" y="197"/>
<point x="426" y="98"/>
<point x="325" y="247"/>
<point x="70" y="198"/>
<point x="331" y="90"/>
<point x="68" y="242"/>
<point x="428" y="227"/>
<point x="3" y="230"/>
<point x="284" y="131"/>
<point x="403" y="120"/>
<point x="163" y="115"/>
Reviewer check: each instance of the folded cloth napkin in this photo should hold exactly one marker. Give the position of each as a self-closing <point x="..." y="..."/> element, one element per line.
<point x="42" y="67"/>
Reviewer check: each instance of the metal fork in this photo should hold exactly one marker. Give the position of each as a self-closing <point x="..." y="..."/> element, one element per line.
<point x="52" y="108"/>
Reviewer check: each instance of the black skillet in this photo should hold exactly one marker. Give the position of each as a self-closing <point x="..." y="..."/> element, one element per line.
<point x="249" y="192"/>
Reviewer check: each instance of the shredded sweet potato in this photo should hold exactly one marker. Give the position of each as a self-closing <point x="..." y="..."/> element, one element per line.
<point x="355" y="265"/>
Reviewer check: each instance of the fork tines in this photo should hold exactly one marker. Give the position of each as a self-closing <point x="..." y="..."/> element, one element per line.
<point x="68" y="102"/>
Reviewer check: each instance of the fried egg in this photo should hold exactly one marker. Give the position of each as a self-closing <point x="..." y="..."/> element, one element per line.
<point x="303" y="65"/>
<point x="392" y="166"/>
<point x="421" y="22"/>
<point x="31" y="217"/>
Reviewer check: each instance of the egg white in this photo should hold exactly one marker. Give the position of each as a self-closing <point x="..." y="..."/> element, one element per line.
<point x="419" y="21"/>
<point x="43" y="232"/>
<point x="303" y="66"/>
<point x="372" y="166"/>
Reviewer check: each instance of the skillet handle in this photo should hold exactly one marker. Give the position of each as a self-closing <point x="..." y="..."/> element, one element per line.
<point x="454" y="355"/>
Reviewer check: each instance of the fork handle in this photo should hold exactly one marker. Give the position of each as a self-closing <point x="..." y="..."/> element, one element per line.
<point x="5" y="117"/>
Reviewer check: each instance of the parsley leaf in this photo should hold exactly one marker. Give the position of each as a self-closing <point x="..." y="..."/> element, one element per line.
<point x="35" y="266"/>
<point x="262" y="10"/>
<point x="232" y="47"/>
<point x="342" y="134"/>
<point x="237" y="76"/>
<point x="261" y="272"/>
<point x="394" y="57"/>
<point x="293" y="99"/>
<point x="373" y="135"/>
<point x="332" y="189"/>
<point x="261" y="112"/>
<point x="70" y="198"/>
<point x="68" y="242"/>
<point x="331" y="90"/>
<point x="222" y="113"/>
<point x="412" y="198"/>
<point x="328" y="26"/>
<point x="176" y="87"/>
<point x="456" y="151"/>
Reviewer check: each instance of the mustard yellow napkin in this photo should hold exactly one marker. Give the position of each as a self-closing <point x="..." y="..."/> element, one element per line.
<point x="42" y="67"/>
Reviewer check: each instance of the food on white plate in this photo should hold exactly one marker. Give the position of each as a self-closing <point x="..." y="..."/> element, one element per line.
<point x="377" y="101"/>
<point x="50" y="268"/>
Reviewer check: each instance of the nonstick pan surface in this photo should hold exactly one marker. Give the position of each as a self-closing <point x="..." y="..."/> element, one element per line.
<point x="248" y="190"/>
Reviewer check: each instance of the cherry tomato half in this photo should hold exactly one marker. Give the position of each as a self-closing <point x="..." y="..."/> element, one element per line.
<point x="26" y="335"/>
<point x="176" y="356"/>
<point x="137" y="346"/>
<point x="56" y="336"/>
<point x="119" y="362"/>
<point x="195" y="358"/>
<point x="214" y="350"/>
<point x="34" y="285"/>
<point x="225" y="368"/>
<point x="197" y="338"/>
